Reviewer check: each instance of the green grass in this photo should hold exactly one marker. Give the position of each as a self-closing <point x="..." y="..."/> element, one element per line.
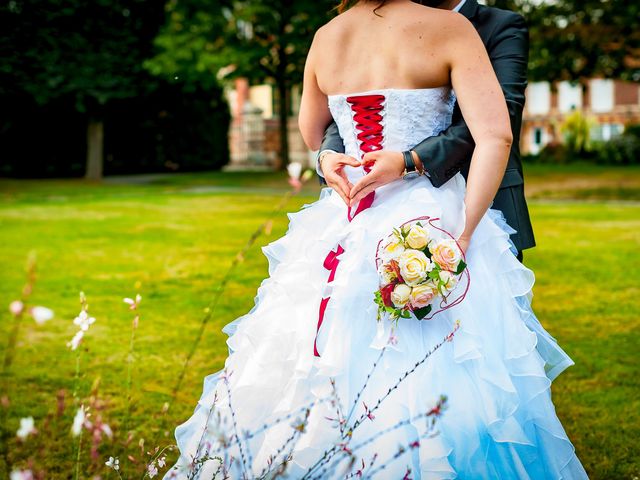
<point x="172" y="239"/>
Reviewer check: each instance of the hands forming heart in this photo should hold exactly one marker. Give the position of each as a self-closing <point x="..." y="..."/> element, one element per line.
<point x="386" y="166"/>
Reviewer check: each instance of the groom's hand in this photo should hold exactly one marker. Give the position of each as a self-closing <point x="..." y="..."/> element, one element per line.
<point x="387" y="167"/>
<point x="334" y="174"/>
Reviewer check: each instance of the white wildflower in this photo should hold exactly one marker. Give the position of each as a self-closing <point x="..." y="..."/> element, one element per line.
<point x="133" y="304"/>
<point x="295" y="170"/>
<point x="26" y="428"/>
<point x="84" y="321"/>
<point x="41" y="314"/>
<point x="113" y="463"/>
<point x="78" y="421"/>
<point x="162" y="461"/>
<point x="75" y="341"/>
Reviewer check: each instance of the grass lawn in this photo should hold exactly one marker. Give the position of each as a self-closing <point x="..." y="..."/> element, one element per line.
<point x="171" y="238"/>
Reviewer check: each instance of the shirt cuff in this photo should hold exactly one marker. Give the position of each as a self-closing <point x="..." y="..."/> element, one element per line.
<point x="318" y="170"/>
<point x="424" y="167"/>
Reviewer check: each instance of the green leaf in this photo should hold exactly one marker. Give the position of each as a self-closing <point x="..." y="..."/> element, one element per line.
<point x="420" y="313"/>
<point x="461" y="267"/>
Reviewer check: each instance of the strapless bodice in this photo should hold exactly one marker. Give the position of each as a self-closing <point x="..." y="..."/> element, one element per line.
<point x="390" y="119"/>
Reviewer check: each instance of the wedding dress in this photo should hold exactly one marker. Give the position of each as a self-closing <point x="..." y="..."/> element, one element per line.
<point x="314" y="320"/>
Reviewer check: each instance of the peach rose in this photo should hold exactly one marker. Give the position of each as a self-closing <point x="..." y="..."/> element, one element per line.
<point x="421" y="295"/>
<point x="446" y="254"/>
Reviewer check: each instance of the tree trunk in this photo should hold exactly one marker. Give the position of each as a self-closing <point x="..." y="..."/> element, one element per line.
<point x="283" y="123"/>
<point x="95" y="150"/>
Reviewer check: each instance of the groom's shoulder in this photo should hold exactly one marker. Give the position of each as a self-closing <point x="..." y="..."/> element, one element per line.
<point x="499" y="16"/>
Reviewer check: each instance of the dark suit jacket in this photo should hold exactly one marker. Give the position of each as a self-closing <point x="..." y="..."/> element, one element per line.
<point x="506" y="38"/>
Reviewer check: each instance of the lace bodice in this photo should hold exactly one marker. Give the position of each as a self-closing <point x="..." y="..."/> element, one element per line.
<point x="398" y="118"/>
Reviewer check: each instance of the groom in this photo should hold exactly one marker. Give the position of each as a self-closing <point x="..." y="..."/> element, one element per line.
<point x="506" y="38"/>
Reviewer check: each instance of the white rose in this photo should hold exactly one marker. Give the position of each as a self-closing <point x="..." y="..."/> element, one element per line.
<point x="449" y="279"/>
<point x="414" y="266"/>
<point x="394" y="249"/>
<point x="400" y="295"/>
<point x="417" y="237"/>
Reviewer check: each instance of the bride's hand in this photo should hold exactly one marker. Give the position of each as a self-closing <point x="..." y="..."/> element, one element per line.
<point x="334" y="174"/>
<point x="463" y="241"/>
<point x="387" y="167"/>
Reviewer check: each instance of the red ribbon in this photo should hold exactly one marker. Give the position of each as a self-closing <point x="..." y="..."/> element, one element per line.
<point x="331" y="264"/>
<point x="367" y="116"/>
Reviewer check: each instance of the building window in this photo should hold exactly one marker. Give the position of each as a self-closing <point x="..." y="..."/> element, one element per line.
<point x="539" y="98"/>
<point x="606" y="131"/>
<point x="602" y="95"/>
<point x="569" y="96"/>
<point x="538" y="140"/>
<point x="537" y="136"/>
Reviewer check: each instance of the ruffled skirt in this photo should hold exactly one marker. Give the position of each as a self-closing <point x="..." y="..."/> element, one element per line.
<point x="496" y="372"/>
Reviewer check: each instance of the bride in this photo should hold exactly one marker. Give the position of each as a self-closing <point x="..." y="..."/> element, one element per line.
<point x="386" y="72"/>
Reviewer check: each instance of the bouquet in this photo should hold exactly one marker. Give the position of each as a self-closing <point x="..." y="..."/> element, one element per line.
<point x="419" y="264"/>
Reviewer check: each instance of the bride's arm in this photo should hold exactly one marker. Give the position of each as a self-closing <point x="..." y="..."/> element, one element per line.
<point x="484" y="109"/>
<point x="314" y="115"/>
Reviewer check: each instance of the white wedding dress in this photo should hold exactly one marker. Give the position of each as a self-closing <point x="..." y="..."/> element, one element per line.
<point x="496" y="372"/>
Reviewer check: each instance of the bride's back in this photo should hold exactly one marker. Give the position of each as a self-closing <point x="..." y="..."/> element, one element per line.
<point x="399" y="47"/>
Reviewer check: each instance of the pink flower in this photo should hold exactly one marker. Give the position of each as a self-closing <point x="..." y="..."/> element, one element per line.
<point x="152" y="471"/>
<point x="421" y="295"/>
<point x="16" y="307"/>
<point x="21" y="475"/>
<point x="446" y="254"/>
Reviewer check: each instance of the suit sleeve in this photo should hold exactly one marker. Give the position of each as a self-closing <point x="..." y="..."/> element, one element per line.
<point x="330" y="141"/>
<point x="450" y="152"/>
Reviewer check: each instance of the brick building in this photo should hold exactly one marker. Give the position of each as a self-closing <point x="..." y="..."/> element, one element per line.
<point x="610" y="104"/>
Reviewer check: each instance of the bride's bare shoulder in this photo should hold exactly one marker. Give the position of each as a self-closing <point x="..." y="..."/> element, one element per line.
<point x="337" y="27"/>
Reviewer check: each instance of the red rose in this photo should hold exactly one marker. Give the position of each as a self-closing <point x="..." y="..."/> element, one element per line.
<point x="386" y="294"/>
<point x="395" y="267"/>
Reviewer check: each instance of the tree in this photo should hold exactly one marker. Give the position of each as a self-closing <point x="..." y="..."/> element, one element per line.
<point x="263" y="40"/>
<point x="580" y="39"/>
<point x="87" y="52"/>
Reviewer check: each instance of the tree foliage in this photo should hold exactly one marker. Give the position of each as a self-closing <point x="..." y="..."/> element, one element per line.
<point x="578" y="39"/>
<point x="90" y="51"/>
<point x="262" y="40"/>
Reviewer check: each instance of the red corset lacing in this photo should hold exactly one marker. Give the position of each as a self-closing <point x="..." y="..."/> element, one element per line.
<point x="366" y="114"/>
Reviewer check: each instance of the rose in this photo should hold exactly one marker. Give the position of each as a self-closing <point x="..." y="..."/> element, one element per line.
<point x="400" y="295"/>
<point x="417" y="237"/>
<point x="446" y="254"/>
<point x="414" y="266"/>
<point x="422" y="294"/>
<point x="385" y="293"/>
<point x="394" y="249"/>
<point x="450" y="280"/>
<point x="387" y="273"/>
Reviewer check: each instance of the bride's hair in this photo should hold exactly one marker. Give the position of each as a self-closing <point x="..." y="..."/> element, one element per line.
<point x="345" y="5"/>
